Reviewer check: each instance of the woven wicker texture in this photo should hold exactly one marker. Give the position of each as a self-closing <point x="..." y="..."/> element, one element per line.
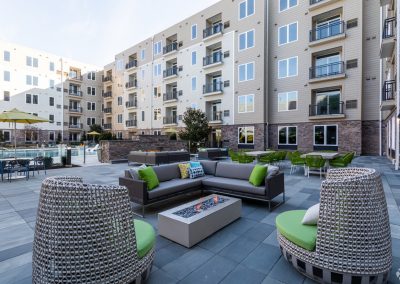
<point x="84" y="234"/>
<point x="353" y="236"/>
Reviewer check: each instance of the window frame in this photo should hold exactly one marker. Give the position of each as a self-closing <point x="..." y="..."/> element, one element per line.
<point x="246" y="103"/>
<point x="159" y="48"/>
<point x="246" y="36"/>
<point x="246" y="128"/>
<point x="287" y="67"/>
<point x="287" y="135"/>
<point x="288" y="7"/>
<point x="195" y="83"/>
<point x="9" y="135"/>
<point x="325" y="127"/>
<point x="288" y="33"/>
<point x="287" y="101"/>
<point x="193" y="53"/>
<point x="246" y="72"/>
<point x="191" y="32"/>
<point x="246" y="9"/>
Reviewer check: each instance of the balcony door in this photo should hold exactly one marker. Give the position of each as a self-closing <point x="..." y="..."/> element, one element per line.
<point x="216" y="55"/>
<point x="328" y="27"/>
<point x="215" y="111"/>
<point x="216" y="83"/>
<point x="327" y="103"/>
<point x="327" y="65"/>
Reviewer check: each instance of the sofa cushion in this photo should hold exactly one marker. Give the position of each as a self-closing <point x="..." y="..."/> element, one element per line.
<point x="289" y="225"/>
<point x="149" y="176"/>
<point x="174" y="185"/>
<point x="167" y="172"/>
<point x="233" y="170"/>
<point x="134" y="172"/>
<point x="272" y="170"/>
<point x="258" y="174"/>
<point x="145" y="237"/>
<point x="209" y="167"/>
<point x="234" y="185"/>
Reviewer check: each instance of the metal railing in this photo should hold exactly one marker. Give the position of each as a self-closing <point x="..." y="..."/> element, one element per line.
<point x="75" y="109"/>
<point x="327" y="31"/>
<point x="212" y="30"/>
<point x="389" y="90"/>
<point x="215" y="116"/>
<point x="131" y="84"/>
<point x="107" y="94"/>
<point x="131" y="123"/>
<point x="212" y="87"/>
<point x="389" y="28"/>
<point x="327" y="70"/>
<point x="170" y="120"/>
<point x="76" y="125"/>
<point x="107" y="110"/>
<point x="212" y="58"/>
<point x="107" y="78"/>
<point x="76" y="78"/>
<point x="170" y="47"/>
<point x="75" y="93"/>
<point x="326" y="109"/>
<point x="130" y="64"/>
<point x="107" y="126"/>
<point x="131" y="103"/>
<point x="168" y="96"/>
<point x="170" y="71"/>
<point x="312" y="2"/>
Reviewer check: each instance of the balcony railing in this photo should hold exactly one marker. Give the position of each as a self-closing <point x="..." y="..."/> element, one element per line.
<point x="326" y="109"/>
<point x="107" y="94"/>
<point x="168" y="96"/>
<point x="131" y="64"/>
<point x="212" y="30"/>
<point x="131" y="84"/>
<point x="212" y="59"/>
<point x="312" y="2"/>
<point x="75" y="109"/>
<point x="170" y="47"/>
<point x="326" y="70"/>
<point x="212" y="87"/>
<point x="75" y="93"/>
<point x="132" y="103"/>
<point x="170" y="120"/>
<point x="389" y="28"/>
<point x="75" y="125"/>
<point x="330" y="30"/>
<point x="107" y="126"/>
<point x="107" y="110"/>
<point x="76" y="77"/>
<point x="107" y="78"/>
<point x="172" y="71"/>
<point x="389" y="90"/>
<point x="131" y="123"/>
<point x="215" y="116"/>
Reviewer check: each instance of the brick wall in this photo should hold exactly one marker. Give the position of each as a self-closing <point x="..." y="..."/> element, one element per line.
<point x="230" y="136"/>
<point x="370" y="137"/>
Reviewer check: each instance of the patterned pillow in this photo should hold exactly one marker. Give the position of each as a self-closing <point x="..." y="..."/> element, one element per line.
<point x="184" y="169"/>
<point x="195" y="172"/>
<point x="195" y="164"/>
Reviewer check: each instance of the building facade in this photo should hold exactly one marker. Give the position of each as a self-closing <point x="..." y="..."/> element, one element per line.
<point x="66" y="92"/>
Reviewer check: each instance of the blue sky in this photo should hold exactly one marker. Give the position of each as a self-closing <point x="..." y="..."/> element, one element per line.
<point x="88" y="30"/>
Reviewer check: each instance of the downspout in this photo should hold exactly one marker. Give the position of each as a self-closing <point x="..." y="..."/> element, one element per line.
<point x="62" y="102"/>
<point x="152" y="84"/>
<point x="380" y="84"/>
<point x="397" y="89"/>
<point x="266" y="75"/>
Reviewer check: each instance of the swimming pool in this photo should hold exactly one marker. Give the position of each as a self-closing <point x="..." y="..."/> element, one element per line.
<point x="45" y="152"/>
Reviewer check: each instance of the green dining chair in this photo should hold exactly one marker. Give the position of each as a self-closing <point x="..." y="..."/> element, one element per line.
<point x="296" y="161"/>
<point x="266" y="159"/>
<point x="315" y="162"/>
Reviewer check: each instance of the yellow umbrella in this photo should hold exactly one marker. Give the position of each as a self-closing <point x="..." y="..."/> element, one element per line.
<point x="170" y="130"/>
<point x="93" y="133"/>
<point x="18" y="116"/>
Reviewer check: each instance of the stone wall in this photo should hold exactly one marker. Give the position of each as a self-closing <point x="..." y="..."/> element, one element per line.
<point x="230" y="136"/>
<point x="370" y="137"/>
<point x="114" y="150"/>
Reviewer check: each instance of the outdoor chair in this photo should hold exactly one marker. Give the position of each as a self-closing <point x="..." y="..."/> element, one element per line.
<point x="4" y="169"/>
<point x="282" y="157"/>
<point x="351" y="242"/>
<point x="37" y="165"/>
<point x="315" y="162"/>
<point x="244" y="159"/>
<point x="233" y="155"/>
<point x="266" y="159"/>
<point x="342" y="161"/>
<point x="85" y="233"/>
<point x="296" y="161"/>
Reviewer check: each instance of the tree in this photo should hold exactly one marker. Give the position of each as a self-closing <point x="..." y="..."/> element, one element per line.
<point x="1" y="136"/>
<point x="197" y="128"/>
<point x="96" y="127"/>
<point x="58" y="138"/>
<point x="106" y="136"/>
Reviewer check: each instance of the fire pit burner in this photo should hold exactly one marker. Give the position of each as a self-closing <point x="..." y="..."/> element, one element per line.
<point x="200" y="207"/>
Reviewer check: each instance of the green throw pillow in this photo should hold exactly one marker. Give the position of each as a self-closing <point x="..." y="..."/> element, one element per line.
<point x="258" y="175"/>
<point x="150" y="177"/>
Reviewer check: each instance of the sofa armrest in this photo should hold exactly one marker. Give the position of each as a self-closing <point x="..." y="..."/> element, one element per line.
<point x="274" y="185"/>
<point x="137" y="189"/>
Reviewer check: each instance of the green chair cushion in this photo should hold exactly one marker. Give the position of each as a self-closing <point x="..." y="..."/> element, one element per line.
<point x="150" y="177"/>
<point x="338" y="164"/>
<point x="289" y="225"/>
<point x="258" y="174"/>
<point x="145" y="237"/>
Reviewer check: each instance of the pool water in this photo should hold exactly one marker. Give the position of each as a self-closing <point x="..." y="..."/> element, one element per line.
<point x="45" y="152"/>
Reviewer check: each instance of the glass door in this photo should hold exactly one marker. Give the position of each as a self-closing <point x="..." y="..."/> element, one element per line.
<point x="327" y="103"/>
<point x="327" y="65"/>
<point x="216" y="83"/>
<point x="328" y="27"/>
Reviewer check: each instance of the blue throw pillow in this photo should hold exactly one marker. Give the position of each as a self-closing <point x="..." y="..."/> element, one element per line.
<point x="195" y="172"/>
<point x="195" y="164"/>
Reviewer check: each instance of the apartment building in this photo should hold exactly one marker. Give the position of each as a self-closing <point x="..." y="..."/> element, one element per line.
<point x="66" y="92"/>
<point x="285" y="74"/>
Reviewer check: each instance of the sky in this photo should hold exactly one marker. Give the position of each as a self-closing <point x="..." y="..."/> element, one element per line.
<point x="91" y="31"/>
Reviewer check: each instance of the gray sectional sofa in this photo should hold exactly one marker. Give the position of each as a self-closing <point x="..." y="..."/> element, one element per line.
<point x="220" y="177"/>
<point x="157" y="158"/>
<point x="213" y="153"/>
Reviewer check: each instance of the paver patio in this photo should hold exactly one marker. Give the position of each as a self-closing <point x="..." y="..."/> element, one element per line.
<point x="244" y="252"/>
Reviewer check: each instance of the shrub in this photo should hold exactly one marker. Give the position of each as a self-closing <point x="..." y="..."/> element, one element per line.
<point x="48" y="162"/>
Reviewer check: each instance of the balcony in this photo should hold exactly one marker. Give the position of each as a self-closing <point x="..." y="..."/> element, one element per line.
<point x="170" y="120"/>
<point x="331" y="32"/>
<point x="73" y="93"/>
<point x="131" y="123"/>
<point x="131" y="84"/>
<point x="170" y="48"/>
<point x="107" y="126"/>
<point x="107" y="110"/>
<point x="326" y="110"/>
<point x="77" y="110"/>
<point x="388" y="37"/>
<point x="212" y="31"/>
<point x="131" y="104"/>
<point x="107" y="79"/>
<point x="386" y="2"/>
<point x="107" y="94"/>
<point x="214" y="88"/>
<point x="171" y="72"/>
<point x="76" y="78"/>
<point x="170" y="96"/>
<point x="131" y="64"/>
<point x="215" y="117"/>
<point x="388" y="95"/>
<point x="316" y="4"/>
<point x="212" y="60"/>
<point x="327" y="72"/>
<point x="76" y="126"/>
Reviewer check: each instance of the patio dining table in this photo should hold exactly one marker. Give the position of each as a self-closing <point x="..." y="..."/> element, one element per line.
<point x="258" y="154"/>
<point x="325" y="155"/>
<point x="16" y="176"/>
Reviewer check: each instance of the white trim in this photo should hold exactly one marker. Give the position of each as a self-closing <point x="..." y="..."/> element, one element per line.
<point x="288" y="35"/>
<point x="247" y="15"/>
<point x="191" y="83"/>
<point x="254" y="39"/>
<point x="195" y="57"/>
<point x="288" y="8"/>
<point x="246" y="127"/>
<point x="191" y="32"/>
<point x="287" y="101"/>
<point x="245" y="103"/>
<point x="325" y="126"/>
<point x="287" y="136"/>
<point x="9" y="135"/>
<point x="287" y="67"/>
<point x="245" y="72"/>
<point x="154" y="45"/>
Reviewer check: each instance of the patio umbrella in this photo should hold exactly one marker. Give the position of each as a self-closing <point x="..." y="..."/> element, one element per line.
<point x="93" y="133"/>
<point x="170" y="130"/>
<point x="17" y="116"/>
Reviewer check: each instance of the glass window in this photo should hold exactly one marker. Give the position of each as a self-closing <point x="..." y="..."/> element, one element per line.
<point x="6" y="76"/>
<point x="35" y="81"/>
<point x="194" y="83"/>
<point x="6" y="55"/>
<point x="28" y="98"/>
<point x="292" y="32"/>
<point x="35" y="99"/>
<point x="51" y="84"/>
<point x="194" y="31"/>
<point x="142" y="54"/>
<point x="246" y="40"/>
<point x="119" y="118"/>
<point x="157" y="48"/>
<point x="292" y="67"/>
<point x="51" y="118"/>
<point x="246" y="72"/>
<point x="242" y="10"/>
<point x="246" y="8"/>
<point x="246" y="135"/>
<point x="29" y="61"/>
<point x="245" y="103"/>
<point x="194" y="57"/>
<point x="287" y="101"/>
<point x="286" y="4"/>
<point x="287" y="67"/>
<point x="51" y="66"/>
<point x="287" y="33"/>
<point x="157" y="69"/>
<point x="120" y="101"/>
<point x="6" y="96"/>
<point x="287" y="135"/>
<point x="51" y="101"/>
<point x="325" y="135"/>
<point x="35" y="62"/>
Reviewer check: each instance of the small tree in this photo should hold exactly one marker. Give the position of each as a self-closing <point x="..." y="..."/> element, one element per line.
<point x="106" y="136"/>
<point x="197" y="128"/>
<point x="96" y="127"/>
<point x="58" y="138"/>
<point x="1" y="136"/>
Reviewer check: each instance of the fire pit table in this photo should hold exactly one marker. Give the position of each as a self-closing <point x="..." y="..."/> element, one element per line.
<point x="194" y="221"/>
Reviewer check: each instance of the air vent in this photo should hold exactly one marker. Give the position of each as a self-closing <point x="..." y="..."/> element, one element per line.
<point x="226" y="83"/>
<point x="227" y="24"/>
<point x="226" y="54"/>
<point x="352" y="63"/>
<point x="351" y="104"/>
<point x="226" y="113"/>
<point x="352" y="23"/>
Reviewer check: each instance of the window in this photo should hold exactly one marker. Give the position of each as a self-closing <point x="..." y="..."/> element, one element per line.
<point x="51" y="118"/>
<point x="91" y="76"/>
<point x="28" y="79"/>
<point x="28" y="98"/>
<point x="327" y="103"/>
<point x="91" y="106"/>
<point x="6" y="76"/>
<point x="194" y="83"/>
<point x="194" y="57"/>
<point x="119" y="118"/>
<point x="35" y="62"/>
<point x="143" y="72"/>
<point x="51" y="84"/>
<point x="157" y="48"/>
<point x="6" y="56"/>
<point x="194" y="31"/>
<point x="142" y="54"/>
<point x="246" y="103"/>
<point x="287" y="101"/>
<point x="328" y="27"/>
<point x="29" y="61"/>
<point x="286" y="4"/>
<point x="287" y="67"/>
<point x="6" y="135"/>
<point x="157" y="91"/>
<point x="91" y="91"/>
<point x="246" y="8"/>
<point x="157" y="132"/>
<point x="6" y="96"/>
<point x="52" y="136"/>
<point x="35" y="99"/>
<point x="120" y="65"/>
<point x="288" y="33"/>
<point x="325" y="135"/>
<point x="119" y="135"/>
<point x="246" y="135"/>
<point x="246" y="40"/>
<point x="51" y="66"/>
<point x="119" y="100"/>
<point x="246" y="72"/>
<point x="287" y="135"/>
<point x="91" y="120"/>
<point x="157" y="69"/>
<point x="51" y="101"/>
<point x="142" y="115"/>
<point x="35" y="81"/>
<point x="157" y="114"/>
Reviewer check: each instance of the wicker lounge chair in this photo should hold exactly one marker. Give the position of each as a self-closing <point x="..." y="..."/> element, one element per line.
<point x="86" y="234"/>
<point x="352" y="238"/>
